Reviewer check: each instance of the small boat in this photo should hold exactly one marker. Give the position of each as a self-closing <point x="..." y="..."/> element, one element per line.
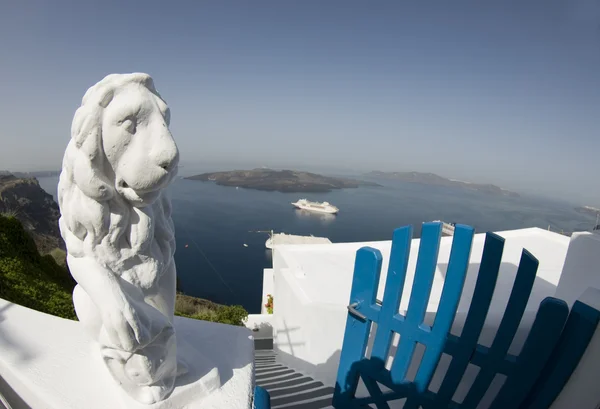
<point x="316" y="207"/>
<point x="447" y="228"/>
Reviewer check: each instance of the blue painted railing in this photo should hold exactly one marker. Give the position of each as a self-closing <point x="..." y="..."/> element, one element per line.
<point x="534" y="378"/>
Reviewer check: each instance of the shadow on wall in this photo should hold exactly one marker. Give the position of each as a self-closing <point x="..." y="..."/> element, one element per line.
<point x="504" y="284"/>
<point x="325" y="372"/>
<point x="289" y="342"/>
<point x="228" y="338"/>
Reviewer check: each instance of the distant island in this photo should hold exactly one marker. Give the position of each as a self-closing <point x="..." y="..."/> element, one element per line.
<point x="287" y="181"/>
<point x="433" y="179"/>
<point x="36" y="174"/>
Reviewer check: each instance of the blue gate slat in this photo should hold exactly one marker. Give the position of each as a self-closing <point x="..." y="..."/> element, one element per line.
<point x="453" y="286"/>
<point x="544" y="334"/>
<point x="480" y="355"/>
<point x="367" y="269"/>
<point x="465" y="345"/>
<point x="507" y="329"/>
<point x="577" y="333"/>
<point x="450" y="297"/>
<point x="392" y="295"/>
<point x="377" y="396"/>
<point x="419" y="298"/>
<point x="404" y="389"/>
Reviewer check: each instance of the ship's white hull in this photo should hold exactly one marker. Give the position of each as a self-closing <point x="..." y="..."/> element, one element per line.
<point x="447" y="228"/>
<point x="315" y="209"/>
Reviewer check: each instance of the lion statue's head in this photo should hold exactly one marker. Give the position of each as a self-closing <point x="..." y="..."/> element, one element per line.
<point x="120" y="158"/>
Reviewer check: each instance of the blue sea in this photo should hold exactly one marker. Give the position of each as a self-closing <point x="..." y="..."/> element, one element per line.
<point x="214" y="223"/>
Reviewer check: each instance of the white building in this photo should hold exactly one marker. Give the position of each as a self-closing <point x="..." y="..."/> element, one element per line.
<point x="311" y="287"/>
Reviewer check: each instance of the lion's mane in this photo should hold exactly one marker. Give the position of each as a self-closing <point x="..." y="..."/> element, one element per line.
<point x="95" y="220"/>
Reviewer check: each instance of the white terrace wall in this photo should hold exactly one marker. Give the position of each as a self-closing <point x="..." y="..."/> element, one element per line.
<point x="308" y="334"/>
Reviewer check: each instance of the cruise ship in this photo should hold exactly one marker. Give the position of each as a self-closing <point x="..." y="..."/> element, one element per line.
<point x="316" y="207"/>
<point x="447" y="228"/>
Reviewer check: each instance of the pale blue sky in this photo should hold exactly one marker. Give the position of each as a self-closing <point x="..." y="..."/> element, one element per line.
<point x="506" y="93"/>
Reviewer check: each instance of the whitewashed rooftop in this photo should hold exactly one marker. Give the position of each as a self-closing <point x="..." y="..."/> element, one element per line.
<point x="279" y="239"/>
<point x="324" y="273"/>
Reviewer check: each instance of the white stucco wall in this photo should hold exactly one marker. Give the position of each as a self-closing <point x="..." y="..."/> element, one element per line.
<point x="47" y="362"/>
<point x="307" y="335"/>
<point x="268" y="288"/>
<point x="312" y="287"/>
<point x="582" y="266"/>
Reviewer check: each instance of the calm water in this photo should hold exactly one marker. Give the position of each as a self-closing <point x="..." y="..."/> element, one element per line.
<point x="213" y="223"/>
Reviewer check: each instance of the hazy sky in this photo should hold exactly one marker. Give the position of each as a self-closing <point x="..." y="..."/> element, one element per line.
<point x="506" y="93"/>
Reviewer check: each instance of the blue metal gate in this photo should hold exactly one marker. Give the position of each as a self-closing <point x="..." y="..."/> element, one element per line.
<point x="534" y="377"/>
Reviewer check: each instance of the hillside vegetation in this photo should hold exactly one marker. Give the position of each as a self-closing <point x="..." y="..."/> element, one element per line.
<point x="28" y="279"/>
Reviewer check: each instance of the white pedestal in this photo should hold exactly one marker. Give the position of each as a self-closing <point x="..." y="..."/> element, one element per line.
<point x="47" y="362"/>
<point x="581" y="267"/>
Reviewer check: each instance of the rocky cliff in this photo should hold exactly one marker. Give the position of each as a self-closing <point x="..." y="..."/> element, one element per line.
<point x="24" y="199"/>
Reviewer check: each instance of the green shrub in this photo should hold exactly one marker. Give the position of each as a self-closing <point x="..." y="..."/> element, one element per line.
<point x="200" y="309"/>
<point x="232" y="315"/>
<point x="28" y="279"/>
<point x="60" y="256"/>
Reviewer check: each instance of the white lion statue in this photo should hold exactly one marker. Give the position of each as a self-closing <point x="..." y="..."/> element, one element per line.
<point x="116" y="222"/>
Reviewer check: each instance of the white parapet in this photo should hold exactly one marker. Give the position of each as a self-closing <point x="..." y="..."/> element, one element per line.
<point x="582" y="266"/>
<point x="268" y="288"/>
<point x="46" y="363"/>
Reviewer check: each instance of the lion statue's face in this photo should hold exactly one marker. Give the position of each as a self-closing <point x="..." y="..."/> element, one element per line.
<point x="138" y="145"/>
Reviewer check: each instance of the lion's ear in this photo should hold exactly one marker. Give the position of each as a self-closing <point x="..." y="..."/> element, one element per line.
<point x="84" y="123"/>
<point x="106" y="98"/>
<point x="77" y="125"/>
<point x="90" y="179"/>
<point x="148" y="82"/>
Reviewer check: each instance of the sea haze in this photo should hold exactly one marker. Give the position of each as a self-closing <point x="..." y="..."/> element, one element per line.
<point x="214" y="222"/>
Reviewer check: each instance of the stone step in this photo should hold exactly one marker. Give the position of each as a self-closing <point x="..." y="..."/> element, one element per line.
<point x="289" y="389"/>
